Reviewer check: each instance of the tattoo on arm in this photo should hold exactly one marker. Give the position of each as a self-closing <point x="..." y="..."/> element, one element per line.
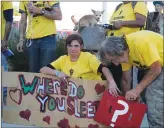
<point x="55" y="14"/>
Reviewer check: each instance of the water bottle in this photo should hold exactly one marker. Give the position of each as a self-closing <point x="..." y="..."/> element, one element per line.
<point x="8" y="53"/>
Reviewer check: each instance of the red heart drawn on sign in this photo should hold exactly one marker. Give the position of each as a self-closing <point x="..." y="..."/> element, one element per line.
<point x="64" y="123"/>
<point x="99" y="88"/>
<point x="77" y="126"/>
<point x="16" y="93"/>
<point x="25" y="114"/>
<point x="46" y="119"/>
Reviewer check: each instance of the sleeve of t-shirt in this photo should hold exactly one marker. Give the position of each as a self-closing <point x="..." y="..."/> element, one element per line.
<point x="126" y="66"/>
<point x="141" y="8"/>
<point x="148" y="52"/>
<point x="94" y="63"/>
<point x="7" y="5"/>
<point x="22" y="7"/>
<point x="57" y="64"/>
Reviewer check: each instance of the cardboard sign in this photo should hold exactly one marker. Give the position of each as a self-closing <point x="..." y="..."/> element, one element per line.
<point x="118" y="112"/>
<point x="45" y="101"/>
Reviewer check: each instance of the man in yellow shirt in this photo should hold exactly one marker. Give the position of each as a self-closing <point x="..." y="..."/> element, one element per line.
<point x="40" y="33"/>
<point x="143" y="49"/>
<point x="6" y="25"/>
<point x="128" y="17"/>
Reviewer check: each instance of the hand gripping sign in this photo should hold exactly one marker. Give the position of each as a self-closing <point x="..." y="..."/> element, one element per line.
<point x="118" y="112"/>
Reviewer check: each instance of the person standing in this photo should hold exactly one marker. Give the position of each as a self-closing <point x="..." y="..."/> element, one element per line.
<point x="144" y="50"/>
<point x="128" y="17"/>
<point x="6" y="22"/>
<point x="40" y="33"/>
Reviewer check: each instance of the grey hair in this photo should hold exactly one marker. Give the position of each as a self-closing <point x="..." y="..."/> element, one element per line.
<point x="114" y="46"/>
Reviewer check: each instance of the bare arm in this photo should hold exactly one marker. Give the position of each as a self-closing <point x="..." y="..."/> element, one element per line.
<point x="55" y="14"/>
<point x="113" y="89"/>
<point x="154" y="70"/>
<point x="7" y="30"/>
<point x="48" y="71"/>
<point x="8" y="16"/>
<point x="53" y="72"/>
<point x="22" y="26"/>
<point x="126" y="81"/>
<point x="139" y="22"/>
<point x="107" y="74"/>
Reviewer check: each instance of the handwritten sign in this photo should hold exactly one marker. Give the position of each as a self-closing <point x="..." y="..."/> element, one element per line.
<point x="45" y="101"/>
<point x="118" y="112"/>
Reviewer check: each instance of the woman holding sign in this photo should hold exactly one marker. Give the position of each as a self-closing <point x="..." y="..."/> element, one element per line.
<point x="78" y="64"/>
<point x="143" y="49"/>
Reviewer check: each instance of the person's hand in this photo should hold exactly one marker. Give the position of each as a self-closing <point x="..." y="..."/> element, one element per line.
<point x="118" y="24"/>
<point x="34" y="10"/>
<point x="132" y="94"/>
<point x="64" y="77"/>
<point x="4" y="45"/>
<point x="20" y="46"/>
<point x="113" y="88"/>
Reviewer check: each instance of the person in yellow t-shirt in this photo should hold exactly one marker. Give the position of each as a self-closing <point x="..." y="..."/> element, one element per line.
<point x="128" y="17"/>
<point x="143" y="49"/>
<point x="78" y="64"/>
<point x="6" y="25"/>
<point x="40" y="33"/>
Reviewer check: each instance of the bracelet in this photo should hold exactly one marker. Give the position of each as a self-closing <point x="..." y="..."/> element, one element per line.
<point x="57" y="72"/>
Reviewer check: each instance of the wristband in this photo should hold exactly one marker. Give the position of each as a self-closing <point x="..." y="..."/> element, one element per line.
<point x="57" y="72"/>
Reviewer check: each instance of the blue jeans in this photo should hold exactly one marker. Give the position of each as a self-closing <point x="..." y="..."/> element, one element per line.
<point x="4" y="64"/>
<point x="41" y="52"/>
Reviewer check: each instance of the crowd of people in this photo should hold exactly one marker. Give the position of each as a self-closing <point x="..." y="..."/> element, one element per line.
<point x="132" y="51"/>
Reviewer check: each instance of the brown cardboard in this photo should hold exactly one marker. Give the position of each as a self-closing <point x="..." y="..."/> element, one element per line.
<point x="17" y="101"/>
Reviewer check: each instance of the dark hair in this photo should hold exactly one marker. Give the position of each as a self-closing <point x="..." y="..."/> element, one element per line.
<point x="158" y="2"/>
<point x="72" y="37"/>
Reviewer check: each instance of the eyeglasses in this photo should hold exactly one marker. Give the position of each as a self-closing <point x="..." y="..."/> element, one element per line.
<point x="76" y="46"/>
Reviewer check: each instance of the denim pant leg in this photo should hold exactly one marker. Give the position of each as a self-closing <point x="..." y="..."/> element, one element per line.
<point x="47" y="50"/>
<point x="4" y="64"/>
<point x="33" y="56"/>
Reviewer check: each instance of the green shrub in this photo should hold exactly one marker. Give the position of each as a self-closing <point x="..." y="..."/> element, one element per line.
<point x="20" y="62"/>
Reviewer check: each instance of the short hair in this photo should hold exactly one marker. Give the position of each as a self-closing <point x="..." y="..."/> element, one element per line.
<point x="114" y="46"/>
<point x="158" y="2"/>
<point x="72" y="37"/>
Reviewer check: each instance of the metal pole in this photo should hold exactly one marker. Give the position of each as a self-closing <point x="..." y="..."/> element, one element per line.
<point x="104" y="16"/>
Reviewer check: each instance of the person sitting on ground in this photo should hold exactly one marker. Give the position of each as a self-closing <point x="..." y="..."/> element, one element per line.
<point x="143" y="49"/>
<point x="78" y="64"/>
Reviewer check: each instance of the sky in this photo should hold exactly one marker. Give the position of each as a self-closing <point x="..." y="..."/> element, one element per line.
<point x="77" y="9"/>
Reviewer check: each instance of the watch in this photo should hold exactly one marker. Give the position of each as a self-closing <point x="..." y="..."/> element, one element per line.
<point x="43" y="11"/>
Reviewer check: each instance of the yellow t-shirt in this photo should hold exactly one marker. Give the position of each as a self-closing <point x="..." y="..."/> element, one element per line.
<point x="38" y="26"/>
<point x="4" y="6"/>
<point x="85" y="67"/>
<point x="145" y="47"/>
<point x="127" y="13"/>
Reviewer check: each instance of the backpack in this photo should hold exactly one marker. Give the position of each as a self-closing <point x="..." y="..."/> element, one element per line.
<point x="133" y="6"/>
